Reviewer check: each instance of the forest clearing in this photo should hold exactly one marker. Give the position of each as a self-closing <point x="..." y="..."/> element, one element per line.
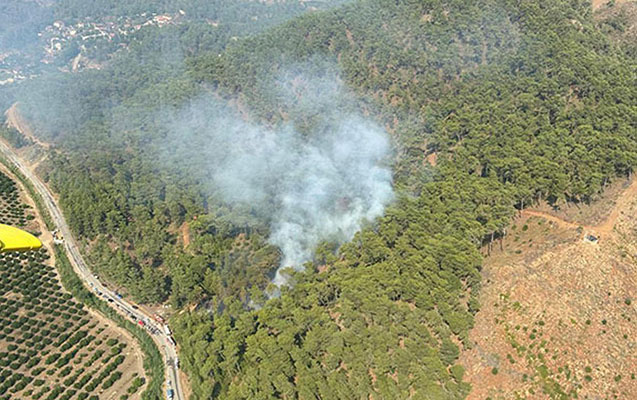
<point x="557" y="316"/>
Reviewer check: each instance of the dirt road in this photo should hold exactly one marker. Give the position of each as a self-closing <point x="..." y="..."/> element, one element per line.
<point x="15" y="120"/>
<point x="606" y="227"/>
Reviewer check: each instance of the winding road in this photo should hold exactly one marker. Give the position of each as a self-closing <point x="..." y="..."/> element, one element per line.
<point x="163" y="340"/>
<point x="606" y="226"/>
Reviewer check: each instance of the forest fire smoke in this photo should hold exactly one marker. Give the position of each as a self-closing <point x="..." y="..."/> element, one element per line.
<point x="312" y="182"/>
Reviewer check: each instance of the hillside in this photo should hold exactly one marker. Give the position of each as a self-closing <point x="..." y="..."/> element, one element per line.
<point x="558" y="315"/>
<point x="519" y="103"/>
<point x="619" y="21"/>
<point x="513" y="117"/>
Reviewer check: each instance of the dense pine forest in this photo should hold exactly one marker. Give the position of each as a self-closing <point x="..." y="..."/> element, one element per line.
<point x="492" y="105"/>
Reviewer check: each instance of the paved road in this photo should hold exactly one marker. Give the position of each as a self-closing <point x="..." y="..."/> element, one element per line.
<point x="124" y="307"/>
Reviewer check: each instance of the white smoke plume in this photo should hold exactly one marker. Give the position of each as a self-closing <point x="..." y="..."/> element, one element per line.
<point x="316" y="181"/>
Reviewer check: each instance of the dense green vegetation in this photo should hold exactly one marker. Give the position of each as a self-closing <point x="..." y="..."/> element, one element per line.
<point x="117" y="107"/>
<point x="620" y="23"/>
<point x="520" y="101"/>
<point x="32" y="193"/>
<point x="15" y="138"/>
<point x="20" y="22"/>
<point x="12" y="210"/>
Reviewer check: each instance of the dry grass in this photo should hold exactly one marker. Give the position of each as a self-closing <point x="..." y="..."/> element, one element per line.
<point x="558" y="313"/>
<point x="598" y="4"/>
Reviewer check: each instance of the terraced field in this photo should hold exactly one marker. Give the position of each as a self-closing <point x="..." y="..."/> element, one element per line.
<point x="51" y="347"/>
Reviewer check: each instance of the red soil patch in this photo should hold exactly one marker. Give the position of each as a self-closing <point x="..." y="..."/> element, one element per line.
<point x="432" y="159"/>
<point x="184" y="230"/>
<point x="597" y="4"/>
<point x="558" y="313"/>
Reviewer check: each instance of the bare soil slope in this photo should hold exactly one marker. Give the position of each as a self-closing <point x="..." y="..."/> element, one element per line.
<point x="558" y="316"/>
<point x="15" y="120"/>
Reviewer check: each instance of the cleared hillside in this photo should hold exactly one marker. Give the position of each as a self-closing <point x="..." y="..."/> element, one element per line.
<point x="558" y="319"/>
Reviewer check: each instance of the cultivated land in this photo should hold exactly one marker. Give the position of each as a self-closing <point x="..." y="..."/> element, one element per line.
<point x="26" y="159"/>
<point x="558" y="314"/>
<point x="52" y="347"/>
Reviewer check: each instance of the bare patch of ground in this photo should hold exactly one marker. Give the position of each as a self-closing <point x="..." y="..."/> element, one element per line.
<point x="432" y="159"/>
<point x="185" y="384"/>
<point x="15" y="120"/>
<point x="598" y="4"/>
<point x="585" y="214"/>
<point x="185" y="234"/>
<point x="606" y="212"/>
<point x="558" y="312"/>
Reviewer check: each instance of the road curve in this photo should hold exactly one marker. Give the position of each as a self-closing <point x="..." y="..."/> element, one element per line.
<point x="124" y="307"/>
<point x="606" y="226"/>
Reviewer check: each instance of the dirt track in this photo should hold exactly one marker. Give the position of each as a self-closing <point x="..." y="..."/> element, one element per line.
<point x="606" y="227"/>
<point x="185" y="234"/>
<point x="15" y="120"/>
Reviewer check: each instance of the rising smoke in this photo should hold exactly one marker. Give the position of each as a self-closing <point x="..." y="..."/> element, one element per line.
<point x="318" y="177"/>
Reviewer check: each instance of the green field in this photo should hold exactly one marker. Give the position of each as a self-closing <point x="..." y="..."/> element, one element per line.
<point x="50" y="346"/>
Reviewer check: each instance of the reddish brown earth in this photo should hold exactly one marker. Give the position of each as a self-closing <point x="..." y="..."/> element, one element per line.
<point x="597" y="4"/>
<point x="432" y="159"/>
<point x="558" y="315"/>
<point x="185" y="234"/>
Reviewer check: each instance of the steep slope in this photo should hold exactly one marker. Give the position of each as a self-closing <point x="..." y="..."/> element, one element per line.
<point x="558" y="315"/>
<point x="518" y="100"/>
